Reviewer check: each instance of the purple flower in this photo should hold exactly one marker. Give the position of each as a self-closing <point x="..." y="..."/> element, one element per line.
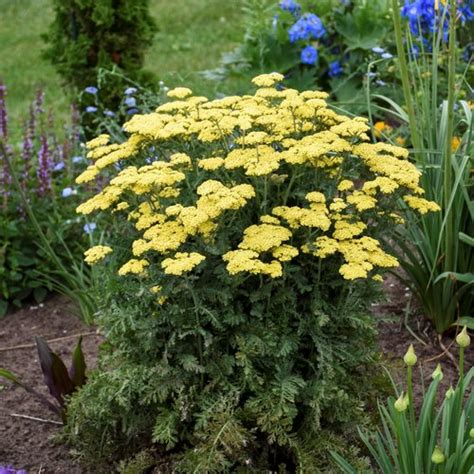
<point x="89" y="227"/>
<point x="335" y="69"/>
<point x="59" y="166"/>
<point x="77" y="159"/>
<point x="109" y="113"/>
<point x="309" y="55"/>
<point x="130" y="90"/>
<point x="132" y="111"/>
<point x="44" y="166"/>
<point x="130" y="102"/>
<point x="91" y="109"/>
<point x="66" y="192"/>
<point x="11" y="470"/>
<point x="91" y="90"/>
<point x="3" y="112"/>
<point x="308" y="26"/>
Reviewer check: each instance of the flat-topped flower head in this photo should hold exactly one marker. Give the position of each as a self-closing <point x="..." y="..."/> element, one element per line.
<point x="179" y="93"/>
<point x="268" y="80"/>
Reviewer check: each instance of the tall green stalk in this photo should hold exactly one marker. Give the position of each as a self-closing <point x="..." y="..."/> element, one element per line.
<point x="447" y="166"/>
<point x="412" y="123"/>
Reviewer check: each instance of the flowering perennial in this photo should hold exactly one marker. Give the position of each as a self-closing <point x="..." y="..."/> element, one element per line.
<point x="255" y="182"/>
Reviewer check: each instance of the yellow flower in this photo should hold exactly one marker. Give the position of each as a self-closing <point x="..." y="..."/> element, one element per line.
<point x="381" y="127"/>
<point x="268" y="80"/>
<point x="182" y="262"/>
<point x="96" y="254"/>
<point x="134" y="266"/>
<point x="455" y="142"/>
<point x="179" y="93"/>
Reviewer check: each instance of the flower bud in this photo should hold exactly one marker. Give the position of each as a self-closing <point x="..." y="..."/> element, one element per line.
<point x="463" y="338"/>
<point x="438" y="457"/>
<point x="449" y="393"/>
<point x="471" y="433"/>
<point x="401" y="404"/>
<point x="438" y="373"/>
<point x="410" y="357"/>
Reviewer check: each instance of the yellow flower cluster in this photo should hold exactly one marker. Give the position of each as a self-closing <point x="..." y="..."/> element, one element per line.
<point x="254" y="179"/>
<point x="96" y="254"/>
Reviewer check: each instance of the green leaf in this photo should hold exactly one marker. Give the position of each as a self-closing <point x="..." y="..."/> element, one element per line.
<point x="3" y="308"/>
<point x="467" y="321"/>
<point x="77" y="372"/>
<point x="467" y="239"/>
<point x="6" y="374"/>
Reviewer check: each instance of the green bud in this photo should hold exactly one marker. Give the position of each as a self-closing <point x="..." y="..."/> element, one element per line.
<point x="438" y="457"/>
<point x="401" y="404"/>
<point x="449" y="393"/>
<point x="471" y="433"/>
<point x="463" y="338"/>
<point x="438" y="373"/>
<point x="410" y="357"/>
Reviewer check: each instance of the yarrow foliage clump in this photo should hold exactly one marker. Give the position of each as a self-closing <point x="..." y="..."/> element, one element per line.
<point x="237" y="282"/>
<point x="289" y="175"/>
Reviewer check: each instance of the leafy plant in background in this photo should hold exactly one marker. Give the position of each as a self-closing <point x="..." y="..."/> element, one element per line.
<point x="441" y="440"/>
<point x="38" y="226"/>
<point x="327" y="44"/>
<point x="61" y="383"/>
<point x="89" y="35"/>
<point x="237" y="281"/>
<point x="437" y="250"/>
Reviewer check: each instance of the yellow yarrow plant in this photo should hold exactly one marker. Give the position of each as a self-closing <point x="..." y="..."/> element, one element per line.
<point x="253" y="183"/>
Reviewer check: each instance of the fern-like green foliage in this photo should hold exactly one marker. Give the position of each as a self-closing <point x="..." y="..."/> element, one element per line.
<point x="272" y="378"/>
<point x="88" y="35"/>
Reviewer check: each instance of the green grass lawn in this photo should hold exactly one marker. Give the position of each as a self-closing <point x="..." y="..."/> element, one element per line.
<point x="192" y="36"/>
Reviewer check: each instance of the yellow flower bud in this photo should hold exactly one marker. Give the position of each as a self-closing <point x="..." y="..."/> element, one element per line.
<point x="463" y="338"/>
<point x="401" y="404"/>
<point x="449" y="393"/>
<point x="438" y="373"/>
<point x="410" y="357"/>
<point x="438" y="457"/>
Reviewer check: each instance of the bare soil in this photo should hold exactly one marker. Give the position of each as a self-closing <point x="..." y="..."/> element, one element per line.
<point x="29" y="444"/>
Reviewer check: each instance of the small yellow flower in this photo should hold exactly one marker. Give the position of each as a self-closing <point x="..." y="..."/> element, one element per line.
<point x="438" y="373"/>
<point x="402" y="402"/>
<point x="400" y="141"/>
<point x="381" y="127"/>
<point x="179" y="93"/>
<point x="455" y="142"/>
<point x="96" y="254"/>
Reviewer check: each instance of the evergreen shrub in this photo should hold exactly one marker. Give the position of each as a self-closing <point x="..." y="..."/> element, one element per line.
<point x="237" y="282"/>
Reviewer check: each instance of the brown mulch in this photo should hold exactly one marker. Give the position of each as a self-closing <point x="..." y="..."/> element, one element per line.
<point x="30" y="445"/>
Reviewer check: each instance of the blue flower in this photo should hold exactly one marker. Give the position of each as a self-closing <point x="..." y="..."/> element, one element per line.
<point x="378" y="50"/>
<point x="109" y="113"/>
<point x="90" y="227"/>
<point x="132" y="111"/>
<point x="130" y="90"/>
<point x="91" y="90"/>
<point x="77" y="159"/>
<point x="130" y="101"/>
<point x="91" y="109"/>
<point x="387" y="56"/>
<point x="59" y="166"/>
<point x="309" y="55"/>
<point x="307" y="27"/>
<point x="335" y="69"/>
<point x="290" y="6"/>
<point x="67" y="192"/>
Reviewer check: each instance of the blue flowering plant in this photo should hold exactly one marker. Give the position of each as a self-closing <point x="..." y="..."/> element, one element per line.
<point x="326" y="44"/>
<point x="38" y="194"/>
<point x="99" y="114"/>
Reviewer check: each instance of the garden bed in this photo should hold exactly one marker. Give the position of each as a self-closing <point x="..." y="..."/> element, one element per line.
<point x="25" y="443"/>
<point x="30" y="444"/>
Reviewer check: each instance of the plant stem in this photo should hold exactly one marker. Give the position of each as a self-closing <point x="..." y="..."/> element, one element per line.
<point x="412" y="123"/>
<point x="447" y="168"/>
